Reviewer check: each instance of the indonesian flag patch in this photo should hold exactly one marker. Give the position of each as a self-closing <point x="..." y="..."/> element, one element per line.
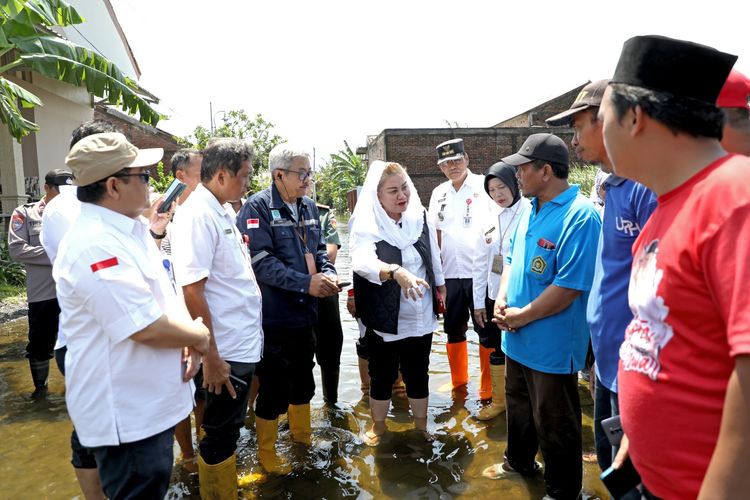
<point x="104" y="264"/>
<point x="253" y="223"/>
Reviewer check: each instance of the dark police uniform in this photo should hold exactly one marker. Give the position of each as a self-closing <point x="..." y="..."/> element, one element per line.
<point x="329" y="336"/>
<point x="278" y="244"/>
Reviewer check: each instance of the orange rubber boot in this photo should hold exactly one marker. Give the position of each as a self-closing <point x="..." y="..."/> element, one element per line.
<point x="458" y="359"/>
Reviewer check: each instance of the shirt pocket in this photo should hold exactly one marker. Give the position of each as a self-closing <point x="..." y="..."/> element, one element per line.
<point x="541" y="264"/>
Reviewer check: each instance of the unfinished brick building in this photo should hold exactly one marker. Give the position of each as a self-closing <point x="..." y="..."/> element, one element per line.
<point x="415" y="148"/>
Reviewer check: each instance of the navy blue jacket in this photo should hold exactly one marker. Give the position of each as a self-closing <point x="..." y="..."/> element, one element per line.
<point x="278" y="256"/>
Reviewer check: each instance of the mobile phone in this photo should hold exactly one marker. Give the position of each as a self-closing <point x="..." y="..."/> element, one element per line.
<point x="173" y="191"/>
<point x="344" y="284"/>
<point x="621" y="481"/>
<point x="237" y="383"/>
<point x="613" y="430"/>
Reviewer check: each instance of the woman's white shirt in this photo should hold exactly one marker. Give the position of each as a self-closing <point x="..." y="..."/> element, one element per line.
<point x="497" y="234"/>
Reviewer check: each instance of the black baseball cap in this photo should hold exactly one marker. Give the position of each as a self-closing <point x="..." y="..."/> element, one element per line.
<point x="546" y="147"/>
<point x="58" y="177"/>
<point x="589" y="96"/>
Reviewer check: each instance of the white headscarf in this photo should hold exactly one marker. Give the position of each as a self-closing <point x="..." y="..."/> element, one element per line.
<point x="370" y="223"/>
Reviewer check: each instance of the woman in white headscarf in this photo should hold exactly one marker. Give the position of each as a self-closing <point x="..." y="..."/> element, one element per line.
<point x="399" y="289"/>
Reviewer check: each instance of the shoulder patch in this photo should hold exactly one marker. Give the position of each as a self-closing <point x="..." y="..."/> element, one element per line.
<point x="17" y="221"/>
<point x="253" y="223"/>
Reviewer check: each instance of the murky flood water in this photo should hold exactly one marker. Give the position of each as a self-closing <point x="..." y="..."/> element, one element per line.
<point x="35" y="437"/>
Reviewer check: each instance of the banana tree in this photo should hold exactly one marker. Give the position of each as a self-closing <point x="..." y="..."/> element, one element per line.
<point x="28" y="42"/>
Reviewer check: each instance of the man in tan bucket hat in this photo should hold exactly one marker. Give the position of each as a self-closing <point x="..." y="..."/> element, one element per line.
<point x="132" y="347"/>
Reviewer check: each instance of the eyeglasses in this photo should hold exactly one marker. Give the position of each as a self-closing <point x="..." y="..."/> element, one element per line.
<point x="144" y="176"/>
<point x="301" y="174"/>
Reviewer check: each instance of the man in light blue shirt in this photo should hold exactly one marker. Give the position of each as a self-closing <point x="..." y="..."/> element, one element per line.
<point x="541" y="307"/>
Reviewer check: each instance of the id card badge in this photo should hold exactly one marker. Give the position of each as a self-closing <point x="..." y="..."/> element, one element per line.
<point x="310" y="261"/>
<point x="497" y="264"/>
<point x="467" y="221"/>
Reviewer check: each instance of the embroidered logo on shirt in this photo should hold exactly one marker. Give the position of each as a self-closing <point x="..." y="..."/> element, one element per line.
<point x="104" y="264"/>
<point x="17" y="221"/>
<point x="253" y="223"/>
<point x="648" y="332"/>
<point x="538" y="265"/>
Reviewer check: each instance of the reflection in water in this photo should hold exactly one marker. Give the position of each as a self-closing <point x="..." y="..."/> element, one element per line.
<point x="35" y="456"/>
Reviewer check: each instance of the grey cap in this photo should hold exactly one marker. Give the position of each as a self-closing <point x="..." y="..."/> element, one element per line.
<point x="546" y="147"/>
<point x="589" y="96"/>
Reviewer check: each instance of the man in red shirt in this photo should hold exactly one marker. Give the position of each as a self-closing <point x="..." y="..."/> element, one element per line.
<point x="685" y="364"/>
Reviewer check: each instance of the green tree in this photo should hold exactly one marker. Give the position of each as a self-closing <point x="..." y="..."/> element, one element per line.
<point x="341" y="173"/>
<point x="239" y="125"/>
<point x="27" y="37"/>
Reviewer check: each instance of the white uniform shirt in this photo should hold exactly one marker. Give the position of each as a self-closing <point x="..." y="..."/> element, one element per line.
<point x="111" y="284"/>
<point x="497" y="242"/>
<point x="58" y="217"/>
<point x="207" y="244"/>
<point x="460" y="216"/>
<point x="415" y="318"/>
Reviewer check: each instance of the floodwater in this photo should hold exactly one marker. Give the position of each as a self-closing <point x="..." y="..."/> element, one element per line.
<point x="35" y="454"/>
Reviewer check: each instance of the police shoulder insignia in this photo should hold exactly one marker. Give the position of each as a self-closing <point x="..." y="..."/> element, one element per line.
<point x="538" y="265"/>
<point x="333" y="222"/>
<point x="17" y="221"/>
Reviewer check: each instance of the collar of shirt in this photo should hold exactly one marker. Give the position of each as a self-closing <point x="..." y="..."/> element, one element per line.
<point x="120" y="222"/>
<point x="614" y="180"/>
<point x="202" y="192"/>
<point x="470" y="181"/>
<point x="561" y="199"/>
<point x="277" y="201"/>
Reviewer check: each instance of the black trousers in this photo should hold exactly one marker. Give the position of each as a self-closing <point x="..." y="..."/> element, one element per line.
<point x="286" y="371"/>
<point x="329" y="336"/>
<point x="491" y="336"/>
<point x="224" y="416"/>
<point x="141" y="469"/>
<point x="459" y="307"/>
<point x="544" y="411"/>
<point x="44" y="317"/>
<point x="411" y="354"/>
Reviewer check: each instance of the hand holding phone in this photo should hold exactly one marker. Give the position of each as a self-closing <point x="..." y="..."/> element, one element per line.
<point x="343" y="284"/>
<point x="173" y="191"/>
<point x="621" y="481"/>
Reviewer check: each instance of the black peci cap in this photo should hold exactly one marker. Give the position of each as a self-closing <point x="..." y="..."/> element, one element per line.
<point x="681" y="68"/>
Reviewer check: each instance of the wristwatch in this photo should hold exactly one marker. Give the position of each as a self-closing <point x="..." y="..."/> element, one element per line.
<point x="392" y="270"/>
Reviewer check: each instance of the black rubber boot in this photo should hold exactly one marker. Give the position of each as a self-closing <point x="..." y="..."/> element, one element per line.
<point x="330" y="380"/>
<point x="39" y="374"/>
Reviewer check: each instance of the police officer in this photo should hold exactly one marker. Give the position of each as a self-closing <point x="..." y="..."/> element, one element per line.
<point x="329" y="336"/>
<point x="292" y="267"/>
<point x="24" y="247"/>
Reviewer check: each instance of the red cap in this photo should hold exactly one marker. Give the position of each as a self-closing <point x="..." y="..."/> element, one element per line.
<point x="735" y="92"/>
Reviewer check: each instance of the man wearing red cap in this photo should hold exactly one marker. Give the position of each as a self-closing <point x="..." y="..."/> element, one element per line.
<point x="734" y="100"/>
<point x="684" y="375"/>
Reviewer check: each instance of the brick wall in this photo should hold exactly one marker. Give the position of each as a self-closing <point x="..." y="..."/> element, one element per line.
<point x="415" y="149"/>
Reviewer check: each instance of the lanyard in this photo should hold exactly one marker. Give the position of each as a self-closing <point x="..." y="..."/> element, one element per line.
<point x="300" y="230"/>
<point x="510" y="223"/>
